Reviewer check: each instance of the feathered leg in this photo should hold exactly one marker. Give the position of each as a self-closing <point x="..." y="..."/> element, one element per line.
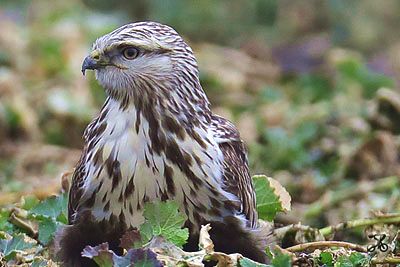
<point x="72" y="239"/>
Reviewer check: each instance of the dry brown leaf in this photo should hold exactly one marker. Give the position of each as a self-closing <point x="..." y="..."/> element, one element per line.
<point x="205" y="241"/>
<point x="281" y="192"/>
<point x="171" y="255"/>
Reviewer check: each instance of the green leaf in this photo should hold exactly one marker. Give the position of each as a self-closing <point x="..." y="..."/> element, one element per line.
<point x="39" y="262"/>
<point x="281" y="260"/>
<point x="355" y="70"/>
<point x="47" y="228"/>
<point x="29" y="202"/>
<point x="245" y="262"/>
<point x="50" y="213"/>
<point x="358" y="259"/>
<point x="288" y="149"/>
<point x="5" y="225"/>
<point x="14" y="245"/>
<point x="269" y="253"/>
<point x="54" y="207"/>
<point x="146" y="232"/>
<point x="326" y="259"/>
<point x="13" y="117"/>
<point x="164" y="219"/>
<point x="271" y="198"/>
<point x="343" y="261"/>
<point x="313" y="88"/>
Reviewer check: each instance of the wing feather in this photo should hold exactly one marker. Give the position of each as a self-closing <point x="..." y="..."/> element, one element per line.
<point x="75" y="192"/>
<point x="236" y="178"/>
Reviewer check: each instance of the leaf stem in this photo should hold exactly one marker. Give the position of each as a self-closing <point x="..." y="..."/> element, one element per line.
<point x="390" y="260"/>
<point x="324" y="244"/>
<point x="385" y="219"/>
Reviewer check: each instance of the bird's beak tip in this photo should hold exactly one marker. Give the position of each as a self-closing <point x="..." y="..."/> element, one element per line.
<point x="89" y="63"/>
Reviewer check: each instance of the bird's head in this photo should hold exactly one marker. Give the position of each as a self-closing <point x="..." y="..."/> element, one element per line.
<point x="141" y="56"/>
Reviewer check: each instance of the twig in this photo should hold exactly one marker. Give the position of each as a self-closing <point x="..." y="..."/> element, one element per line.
<point x="379" y="214"/>
<point x="21" y="223"/>
<point x="334" y="198"/>
<point x="394" y="218"/>
<point x="281" y="232"/>
<point x="390" y="260"/>
<point x="324" y="244"/>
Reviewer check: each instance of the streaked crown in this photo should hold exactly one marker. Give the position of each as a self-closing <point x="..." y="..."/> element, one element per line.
<point x="146" y="58"/>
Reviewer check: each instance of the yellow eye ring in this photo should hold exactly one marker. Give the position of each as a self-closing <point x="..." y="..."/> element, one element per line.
<point x="130" y="53"/>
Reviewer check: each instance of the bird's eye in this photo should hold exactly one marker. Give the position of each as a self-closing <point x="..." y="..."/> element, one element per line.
<point x="130" y="53"/>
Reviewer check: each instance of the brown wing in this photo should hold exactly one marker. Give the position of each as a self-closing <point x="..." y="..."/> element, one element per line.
<point x="75" y="192"/>
<point x="236" y="177"/>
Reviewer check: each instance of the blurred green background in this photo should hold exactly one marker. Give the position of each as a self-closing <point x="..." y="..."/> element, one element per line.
<point x="311" y="84"/>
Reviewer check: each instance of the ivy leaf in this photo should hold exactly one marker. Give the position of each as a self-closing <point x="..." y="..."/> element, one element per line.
<point x="164" y="219"/>
<point x="271" y="196"/>
<point x="54" y="207"/>
<point x="105" y="257"/>
<point x="18" y="243"/>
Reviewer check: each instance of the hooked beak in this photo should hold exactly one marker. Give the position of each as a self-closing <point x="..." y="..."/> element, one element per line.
<point x="93" y="62"/>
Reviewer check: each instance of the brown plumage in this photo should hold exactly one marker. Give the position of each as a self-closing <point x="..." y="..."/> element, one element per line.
<point x="156" y="138"/>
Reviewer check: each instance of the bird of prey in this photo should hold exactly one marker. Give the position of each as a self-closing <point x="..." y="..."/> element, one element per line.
<point x="156" y="138"/>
